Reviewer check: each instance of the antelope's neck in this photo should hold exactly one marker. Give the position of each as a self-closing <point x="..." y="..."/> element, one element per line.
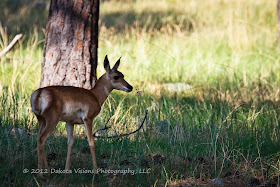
<point x="101" y="89"/>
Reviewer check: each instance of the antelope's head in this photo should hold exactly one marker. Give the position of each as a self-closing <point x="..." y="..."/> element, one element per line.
<point x="116" y="78"/>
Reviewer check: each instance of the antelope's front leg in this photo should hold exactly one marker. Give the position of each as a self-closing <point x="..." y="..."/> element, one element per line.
<point x="88" y="126"/>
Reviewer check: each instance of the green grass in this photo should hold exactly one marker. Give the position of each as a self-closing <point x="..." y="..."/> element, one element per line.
<point x="225" y="51"/>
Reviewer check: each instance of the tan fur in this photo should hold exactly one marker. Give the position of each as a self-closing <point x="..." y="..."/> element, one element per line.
<point x="74" y="106"/>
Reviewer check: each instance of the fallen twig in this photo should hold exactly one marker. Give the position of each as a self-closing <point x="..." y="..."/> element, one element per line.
<point x="120" y="135"/>
<point x="11" y="45"/>
<point x="102" y="129"/>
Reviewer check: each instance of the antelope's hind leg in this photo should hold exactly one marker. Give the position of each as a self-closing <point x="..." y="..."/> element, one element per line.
<point x="42" y="125"/>
<point x="43" y="135"/>
<point x="70" y="128"/>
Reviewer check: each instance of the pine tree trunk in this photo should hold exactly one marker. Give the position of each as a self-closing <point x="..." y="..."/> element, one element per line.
<point x="70" y="53"/>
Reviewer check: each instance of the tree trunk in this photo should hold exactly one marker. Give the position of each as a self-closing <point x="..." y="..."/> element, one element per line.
<point x="70" y="53"/>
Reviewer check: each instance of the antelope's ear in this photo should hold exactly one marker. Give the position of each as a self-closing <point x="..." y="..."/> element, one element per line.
<point x="106" y="64"/>
<point x="117" y="64"/>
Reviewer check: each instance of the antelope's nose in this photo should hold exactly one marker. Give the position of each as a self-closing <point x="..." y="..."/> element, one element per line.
<point x="129" y="88"/>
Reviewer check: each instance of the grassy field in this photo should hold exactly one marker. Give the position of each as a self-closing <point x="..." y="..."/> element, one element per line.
<point x="208" y="72"/>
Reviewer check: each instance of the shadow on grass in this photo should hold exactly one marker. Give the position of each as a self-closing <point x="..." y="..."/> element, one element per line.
<point x="25" y="15"/>
<point x="183" y="137"/>
<point x="150" y="20"/>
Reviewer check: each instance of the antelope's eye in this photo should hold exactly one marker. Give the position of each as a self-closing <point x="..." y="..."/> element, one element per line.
<point x="116" y="77"/>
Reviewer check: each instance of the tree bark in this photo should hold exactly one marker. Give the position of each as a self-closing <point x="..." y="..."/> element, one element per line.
<point x="70" y="53"/>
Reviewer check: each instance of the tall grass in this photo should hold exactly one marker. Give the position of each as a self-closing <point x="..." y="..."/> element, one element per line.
<point x="223" y="51"/>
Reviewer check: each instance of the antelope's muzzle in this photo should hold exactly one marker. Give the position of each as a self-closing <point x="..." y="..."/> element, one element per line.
<point x="129" y="88"/>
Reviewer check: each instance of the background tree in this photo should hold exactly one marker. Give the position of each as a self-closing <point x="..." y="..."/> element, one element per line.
<point x="70" y="53"/>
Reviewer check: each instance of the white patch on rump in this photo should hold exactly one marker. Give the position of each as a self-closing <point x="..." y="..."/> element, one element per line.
<point x="43" y="101"/>
<point x="33" y="97"/>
